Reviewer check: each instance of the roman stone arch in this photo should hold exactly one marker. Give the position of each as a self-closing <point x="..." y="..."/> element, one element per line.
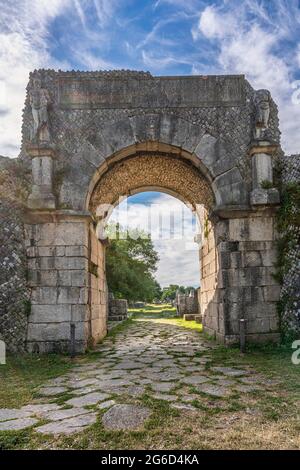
<point x="109" y="134"/>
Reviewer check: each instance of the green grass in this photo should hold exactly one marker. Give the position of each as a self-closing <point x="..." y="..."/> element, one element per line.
<point x="153" y="311"/>
<point x="22" y="374"/>
<point x="163" y="314"/>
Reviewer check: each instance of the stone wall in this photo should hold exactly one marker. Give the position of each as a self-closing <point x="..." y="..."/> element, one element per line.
<point x="290" y="293"/>
<point x="67" y="276"/>
<point x="240" y="283"/>
<point x="14" y="292"/>
<point x="187" y="304"/>
<point x="117" y="309"/>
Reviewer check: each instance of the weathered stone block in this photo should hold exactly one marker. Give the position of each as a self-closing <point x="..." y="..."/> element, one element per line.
<point x="80" y="313"/>
<point x="44" y="295"/>
<point x="76" y="251"/>
<point x="72" y="295"/>
<point x="48" y="332"/>
<point x="46" y="278"/>
<point x="50" y="314"/>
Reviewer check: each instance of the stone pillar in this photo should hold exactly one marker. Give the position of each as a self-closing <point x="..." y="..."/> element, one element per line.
<point x="66" y="273"/>
<point x="41" y="196"/>
<point x="263" y="192"/>
<point x="238" y="278"/>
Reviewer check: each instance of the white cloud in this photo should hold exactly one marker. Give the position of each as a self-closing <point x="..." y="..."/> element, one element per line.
<point x="213" y="25"/>
<point x="174" y="241"/>
<point x="23" y="38"/>
<point x="25" y="41"/>
<point x="161" y="62"/>
<point x="250" y="47"/>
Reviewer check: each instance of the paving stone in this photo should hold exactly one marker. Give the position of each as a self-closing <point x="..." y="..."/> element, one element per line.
<point x="85" y="390"/>
<point x="128" y="365"/>
<point x="68" y="426"/>
<point x="134" y="390"/>
<point x="247" y="388"/>
<point x="125" y="417"/>
<point x="195" y="379"/>
<point x="230" y="371"/>
<point x="163" y="386"/>
<point x="38" y="408"/>
<point x="166" y="397"/>
<point x="106" y="404"/>
<point x="114" y="385"/>
<point x="17" y="424"/>
<point x="182" y="406"/>
<point x="213" y="390"/>
<point x="224" y="381"/>
<point x="83" y="383"/>
<point x="52" y="391"/>
<point x="6" y="414"/>
<point x="252" y="379"/>
<point x="59" y="415"/>
<point x="89" y="399"/>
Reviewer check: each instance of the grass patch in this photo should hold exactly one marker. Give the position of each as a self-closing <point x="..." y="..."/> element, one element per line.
<point x="22" y="374"/>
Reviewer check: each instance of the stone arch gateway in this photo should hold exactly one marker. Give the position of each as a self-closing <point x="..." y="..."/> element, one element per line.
<point x="209" y="140"/>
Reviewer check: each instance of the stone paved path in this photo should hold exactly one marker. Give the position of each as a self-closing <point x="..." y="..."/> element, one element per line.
<point x="164" y="361"/>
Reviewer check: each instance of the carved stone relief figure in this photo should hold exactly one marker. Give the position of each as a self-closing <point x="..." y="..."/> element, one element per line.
<point x="262" y="113"/>
<point x="39" y="99"/>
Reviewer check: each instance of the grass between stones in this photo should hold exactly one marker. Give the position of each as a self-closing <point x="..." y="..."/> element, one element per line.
<point x="268" y="418"/>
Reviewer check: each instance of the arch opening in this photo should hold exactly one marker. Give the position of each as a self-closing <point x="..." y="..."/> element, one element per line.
<point x="155" y="171"/>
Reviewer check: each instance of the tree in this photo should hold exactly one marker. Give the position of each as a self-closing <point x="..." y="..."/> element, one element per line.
<point x="130" y="265"/>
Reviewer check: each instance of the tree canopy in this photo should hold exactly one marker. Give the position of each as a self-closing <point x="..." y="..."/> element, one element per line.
<point x="131" y="262"/>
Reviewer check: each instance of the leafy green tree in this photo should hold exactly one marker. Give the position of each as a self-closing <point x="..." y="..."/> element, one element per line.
<point x="131" y="262"/>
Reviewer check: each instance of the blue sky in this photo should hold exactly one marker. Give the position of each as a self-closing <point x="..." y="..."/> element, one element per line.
<point x="260" y="38"/>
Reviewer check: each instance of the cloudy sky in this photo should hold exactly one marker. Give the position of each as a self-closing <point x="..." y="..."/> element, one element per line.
<point x="260" y="38"/>
<point x="172" y="227"/>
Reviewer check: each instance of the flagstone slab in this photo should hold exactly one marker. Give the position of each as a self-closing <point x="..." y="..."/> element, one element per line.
<point x="59" y="415"/>
<point x="163" y="386"/>
<point x="247" y="388"/>
<point x="83" y="383"/>
<point x="7" y="414"/>
<point x="106" y="404"/>
<point x="52" y="391"/>
<point x="231" y="372"/>
<point x="185" y="407"/>
<point x="134" y="390"/>
<point x="213" y="390"/>
<point x="68" y="426"/>
<point x="165" y="397"/>
<point x="125" y="417"/>
<point x="85" y="390"/>
<point x="195" y="379"/>
<point x="17" y="424"/>
<point x="40" y="408"/>
<point x="89" y="399"/>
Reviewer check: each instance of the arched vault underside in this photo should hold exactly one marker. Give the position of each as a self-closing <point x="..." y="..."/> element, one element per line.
<point x="152" y="171"/>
